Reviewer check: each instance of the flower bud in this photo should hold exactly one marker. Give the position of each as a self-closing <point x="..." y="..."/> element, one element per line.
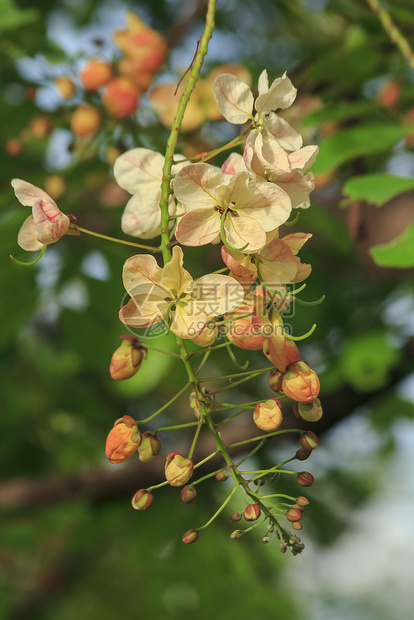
<point x="188" y="494"/>
<point x="252" y="512"/>
<point x="121" y="97"/>
<point x="281" y="351"/>
<point x="123" y="440"/>
<point x="195" y="401"/>
<point x="302" y="454"/>
<point x="95" y="74"/>
<point x="178" y="469"/>
<point x="206" y="336"/>
<point x="85" y="120"/>
<point x="297" y="525"/>
<point x="309" y="441"/>
<point x="268" y="415"/>
<point x="223" y="475"/>
<point x="127" y="359"/>
<point x="310" y="412"/>
<point x="149" y="447"/>
<point x="293" y="514"/>
<point x="305" y="479"/>
<point x="236" y="534"/>
<point x="236" y="516"/>
<point x="142" y="500"/>
<point x="275" y="381"/>
<point x="300" y="382"/>
<point x="302" y="501"/>
<point x="190" y="536"/>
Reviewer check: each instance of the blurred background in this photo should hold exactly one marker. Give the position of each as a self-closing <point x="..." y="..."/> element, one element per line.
<point x="70" y="543"/>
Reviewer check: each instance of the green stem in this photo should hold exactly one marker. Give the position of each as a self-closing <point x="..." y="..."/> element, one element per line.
<point x="175" y="129"/>
<point x="154" y="415"/>
<point x="391" y="29"/>
<point x="216" y="514"/>
<point x="122" y="241"/>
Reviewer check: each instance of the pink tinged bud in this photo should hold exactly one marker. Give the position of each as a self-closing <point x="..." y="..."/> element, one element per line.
<point x="236" y="534"/>
<point x="309" y="441"/>
<point x="302" y="501"/>
<point x="293" y="514"/>
<point x="190" y="536"/>
<point x="178" y="469"/>
<point x="281" y="351"/>
<point x="123" y="440"/>
<point x="275" y="381"/>
<point x="297" y="525"/>
<point x="310" y="412"/>
<point x="252" y="512"/>
<point x="127" y="359"/>
<point x="149" y="447"/>
<point x="268" y="415"/>
<point x="222" y="476"/>
<point x="188" y="494"/>
<point x="236" y="516"/>
<point x="302" y="454"/>
<point x="142" y="500"/>
<point x="300" y="382"/>
<point x="305" y="479"/>
<point x="50" y="222"/>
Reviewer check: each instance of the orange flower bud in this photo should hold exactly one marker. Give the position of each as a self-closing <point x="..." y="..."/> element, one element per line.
<point x="252" y="512"/>
<point x="121" y="97"/>
<point x="123" y="440"/>
<point x="149" y="447"/>
<point x="309" y="441"/>
<point x="85" y="120"/>
<point x="95" y="74"/>
<point x="190" y="536"/>
<point x="246" y="326"/>
<point x="178" y="469"/>
<point x="65" y="87"/>
<point x="41" y="127"/>
<point x="14" y="147"/>
<point x="223" y="475"/>
<point x="268" y="415"/>
<point x="300" y="382"/>
<point x="310" y="412"/>
<point x="127" y="359"/>
<point x="142" y="500"/>
<point x="293" y="514"/>
<point x="305" y="479"/>
<point x="188" y="494"/>
<point x="281" y="351"/>
<point x="275" y="381"/>
<point x="297" y="525"/>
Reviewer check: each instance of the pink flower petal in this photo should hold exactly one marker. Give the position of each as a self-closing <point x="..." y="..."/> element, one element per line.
<point x="198" y="227"/>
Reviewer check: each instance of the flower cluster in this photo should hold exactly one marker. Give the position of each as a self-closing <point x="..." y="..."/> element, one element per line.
<point x="241" y="205"/>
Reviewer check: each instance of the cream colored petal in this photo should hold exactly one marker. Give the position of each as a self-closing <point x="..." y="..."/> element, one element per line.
<point x="174" y="276"/>
<point x="142" y="217"/>
<point x="186" y="325"/>
<point x="268" y="204"/>
<point x="213" y="295"/>
<point x="234" y="99"/>
<point x="263" y="83"/>
<point x="298" y="187"/>
<point x="296" y="240"/>
<point x="143" y="311"/>
<point x="281" y="95"/>
<point x="27" y="194"/>
<point x="233" y="164"/>
<point x="139" y="170"/>
<point x="198" y="227"/>
<point x="243" y="231"/>
<point x="49" y="220"/>
<point x="195" y="185"/>
<point x="239" y="263"/>
<point x="139" y="270"/>
<point x="27" y="237"/>
<point x="304" y="158"/>
<point x="288" y="138"/>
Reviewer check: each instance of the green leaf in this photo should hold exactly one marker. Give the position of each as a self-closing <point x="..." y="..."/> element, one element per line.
<point x="11" y="17"/>
<point x="377" y="189"/>
<point x="367" y="360"/>
<point x="350" y="143"/>
<point x="397" y="253"/>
